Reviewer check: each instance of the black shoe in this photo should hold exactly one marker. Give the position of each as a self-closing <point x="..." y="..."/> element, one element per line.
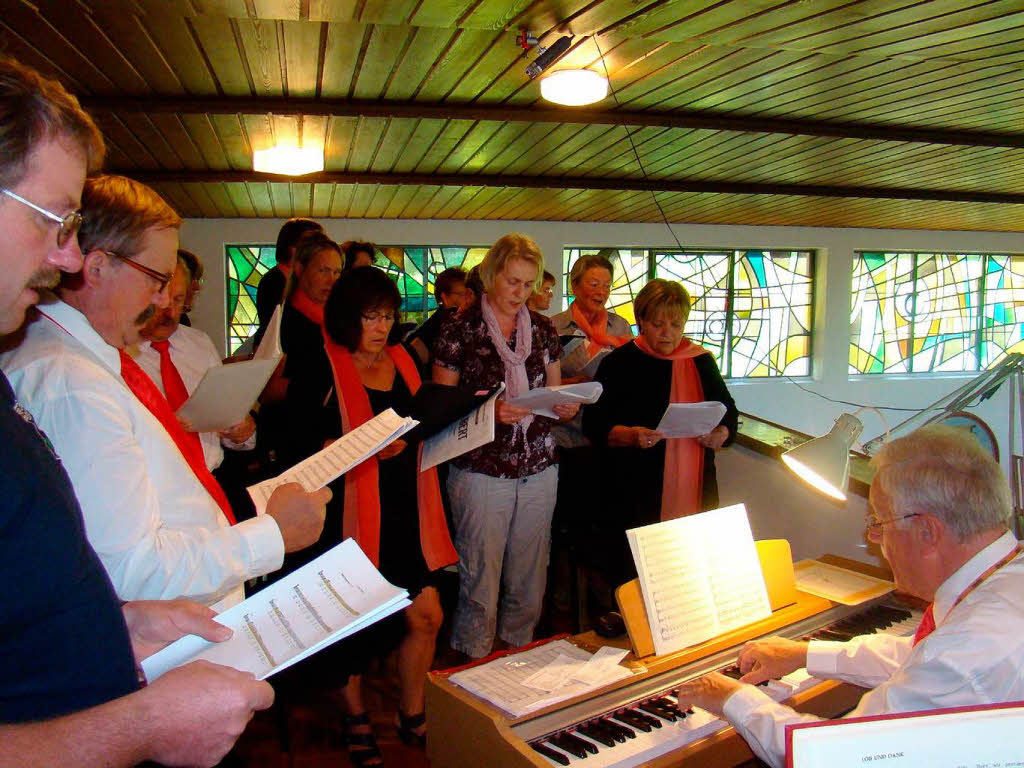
<point x="610" y="625"/>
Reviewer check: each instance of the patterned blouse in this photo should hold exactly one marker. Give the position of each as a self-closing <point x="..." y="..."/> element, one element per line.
<point x="464" y="346"/>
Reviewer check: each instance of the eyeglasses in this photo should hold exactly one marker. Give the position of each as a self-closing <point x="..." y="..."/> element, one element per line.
<point x="874" y="528"/>
<point x="162" y="278"/>
<point x="373" y="317"/>
<point x="69" y="225"/>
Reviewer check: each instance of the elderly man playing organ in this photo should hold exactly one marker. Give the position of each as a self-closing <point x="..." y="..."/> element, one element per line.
<point x="940" y="511"/>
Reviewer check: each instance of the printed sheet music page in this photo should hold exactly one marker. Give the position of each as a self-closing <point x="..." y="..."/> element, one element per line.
<point x="700" y="576"/>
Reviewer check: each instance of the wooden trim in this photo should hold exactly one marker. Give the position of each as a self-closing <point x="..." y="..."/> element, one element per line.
<point x="675" y="119"/>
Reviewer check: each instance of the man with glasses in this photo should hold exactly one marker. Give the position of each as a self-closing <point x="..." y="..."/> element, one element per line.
<point x="159" y="521"/>
<point x="941" y="512"/>
<point x="69" y="689"/>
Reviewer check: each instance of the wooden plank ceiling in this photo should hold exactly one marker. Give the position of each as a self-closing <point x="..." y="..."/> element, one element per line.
<point x="879" y="113"/>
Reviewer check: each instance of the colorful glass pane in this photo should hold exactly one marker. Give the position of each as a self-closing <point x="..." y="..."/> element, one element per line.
<point x="752" y="309"/>
<point x="246" y="264"/>
<point x="934" y="312"/>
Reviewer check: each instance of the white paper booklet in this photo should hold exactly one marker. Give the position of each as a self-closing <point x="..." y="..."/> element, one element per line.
<point x="700" y="576"/>
<point x="691" y="419"/>
<point x="471" y="431"/>
<point x="506" y="681"/>
<point x="542" y="399"/>
<point x="338" y="458"/>
<point x="332" y="597"/>
<point x="225" y="394"/>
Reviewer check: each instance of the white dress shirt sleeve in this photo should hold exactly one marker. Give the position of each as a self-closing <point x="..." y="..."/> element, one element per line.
<point x="145" y="558"/>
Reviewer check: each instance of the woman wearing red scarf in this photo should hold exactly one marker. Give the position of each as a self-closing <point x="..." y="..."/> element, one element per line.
<point x="587" y="329"/>
<point x="657" y="479"/>
<point x="306" y="376"/>
<point x="391" y="508"/>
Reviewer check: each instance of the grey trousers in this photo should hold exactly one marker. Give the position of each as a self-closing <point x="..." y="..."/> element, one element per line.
<point x="503" y="537"/>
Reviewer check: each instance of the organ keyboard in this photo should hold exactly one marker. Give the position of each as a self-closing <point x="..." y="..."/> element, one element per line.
<point x="631" y="723"/>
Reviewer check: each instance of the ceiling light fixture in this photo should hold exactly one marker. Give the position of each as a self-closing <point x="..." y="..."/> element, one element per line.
<point x="574" y="87"/>
<point x="288" y="160"/>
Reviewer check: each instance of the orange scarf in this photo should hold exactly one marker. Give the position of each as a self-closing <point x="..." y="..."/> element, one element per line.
<point x="313" y="312"/>
<point x="362" y="483"/>
<point x="684" y="457"/>
<point x="597" y="335"/>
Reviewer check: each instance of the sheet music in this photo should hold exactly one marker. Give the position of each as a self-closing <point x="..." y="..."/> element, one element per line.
<point x="338" y="458"/>
<point x="322" y="602"/>
<point x="471" y="431"/>
<point x="691" y="419"/>
<point x="542" y="399"/>
<point x="501" y="681"/>
<point x="590" y="369"/>
<point x="700" y="576"/>
<point x="225" y="394"/>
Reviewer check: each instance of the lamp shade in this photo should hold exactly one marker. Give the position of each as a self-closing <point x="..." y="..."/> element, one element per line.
<point x="288" y="160"/>
<point x="574" y="87"/>
<point x="824" y="463"/>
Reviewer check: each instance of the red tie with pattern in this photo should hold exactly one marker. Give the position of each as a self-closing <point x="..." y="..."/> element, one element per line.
<point x="926" y="626"/>
<point x="191" y="449"/>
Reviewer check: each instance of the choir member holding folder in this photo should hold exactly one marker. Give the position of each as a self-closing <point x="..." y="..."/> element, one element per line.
<point x="503" y="493"/>
<point x="392" y="509"/>
<point x="666" y="478"/>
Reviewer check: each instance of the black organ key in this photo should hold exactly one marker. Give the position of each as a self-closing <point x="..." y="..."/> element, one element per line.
<point x="633" y="719"/>
<point x="573" y="738"/>
<point x="656" y="711"/>
<point x="568" y="744"/>
<point x="616" y="729"/>
<point x="601" y="736"/>
<point x="640" y="716"/>
<point x="549" y="753"/>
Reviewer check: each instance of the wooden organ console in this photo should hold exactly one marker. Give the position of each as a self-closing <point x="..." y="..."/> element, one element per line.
<point x="629" y="723"/>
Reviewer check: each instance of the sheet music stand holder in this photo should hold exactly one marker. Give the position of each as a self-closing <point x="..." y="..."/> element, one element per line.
<point x="776" y="564"/>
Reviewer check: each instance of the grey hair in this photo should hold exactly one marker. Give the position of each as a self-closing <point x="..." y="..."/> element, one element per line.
<point x="600" y="259"/>
<point x="944" y="472"/>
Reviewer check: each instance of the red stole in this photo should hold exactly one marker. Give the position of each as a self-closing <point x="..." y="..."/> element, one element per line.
<point x="362" y="483"/>
<point x="597" y="335"/>
<point x="188" y="442"/>
<point x="313" y="312"/>
<point x="684" y="457"/>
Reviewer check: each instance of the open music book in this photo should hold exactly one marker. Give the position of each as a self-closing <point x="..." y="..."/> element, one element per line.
<point x="700" y="576"/>
<point x="225" y="394"/>
<point x="322" y="602"/>
<point x="338" y="458"/>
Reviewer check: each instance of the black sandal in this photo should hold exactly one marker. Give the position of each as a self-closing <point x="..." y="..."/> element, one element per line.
<point x="407" y="725"/>
<point x="362" y="747"/>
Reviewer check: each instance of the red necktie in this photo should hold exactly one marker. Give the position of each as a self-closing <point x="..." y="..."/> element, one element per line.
<point x="174" y="387"/>
<point x="191" y="449"/>
<point x="926" y="626"/>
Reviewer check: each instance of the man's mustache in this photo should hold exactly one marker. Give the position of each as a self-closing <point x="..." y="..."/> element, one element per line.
<point x="145" y="315"/>
<point x="46" y="277"/>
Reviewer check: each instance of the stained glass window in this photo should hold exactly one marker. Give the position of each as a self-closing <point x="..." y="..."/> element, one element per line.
<point x="934" y="312"/>
<point x="246" y="264"/>
<point x="413" y="268"/>
<point x="752" y="309"/>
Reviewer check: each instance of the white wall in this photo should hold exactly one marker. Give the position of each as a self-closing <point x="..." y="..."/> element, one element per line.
<point x="776" y="400"/>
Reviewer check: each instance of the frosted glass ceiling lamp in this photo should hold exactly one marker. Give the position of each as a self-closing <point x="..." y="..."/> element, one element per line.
<point x="574" y="87"/>
<point x="288" y="160"/>
<point x="824" y="463"/>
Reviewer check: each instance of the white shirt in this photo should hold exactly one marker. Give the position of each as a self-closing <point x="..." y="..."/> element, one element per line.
<point x="193" y="354"/>
<point x="972" y="657"/>
<point x="158" y="532"/>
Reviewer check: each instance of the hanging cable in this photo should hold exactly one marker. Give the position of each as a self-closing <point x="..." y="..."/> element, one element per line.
<point x="636" y="154"/>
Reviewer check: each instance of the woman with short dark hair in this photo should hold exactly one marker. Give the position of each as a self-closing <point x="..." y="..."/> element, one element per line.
<point x="392" y="509"/>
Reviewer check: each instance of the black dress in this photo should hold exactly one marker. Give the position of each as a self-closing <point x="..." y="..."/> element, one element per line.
<point x="636" y="393"/>
<point x="401" y="555"/>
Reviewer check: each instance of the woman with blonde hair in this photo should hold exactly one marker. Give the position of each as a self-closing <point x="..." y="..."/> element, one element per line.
<point x="503" y="493"/>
